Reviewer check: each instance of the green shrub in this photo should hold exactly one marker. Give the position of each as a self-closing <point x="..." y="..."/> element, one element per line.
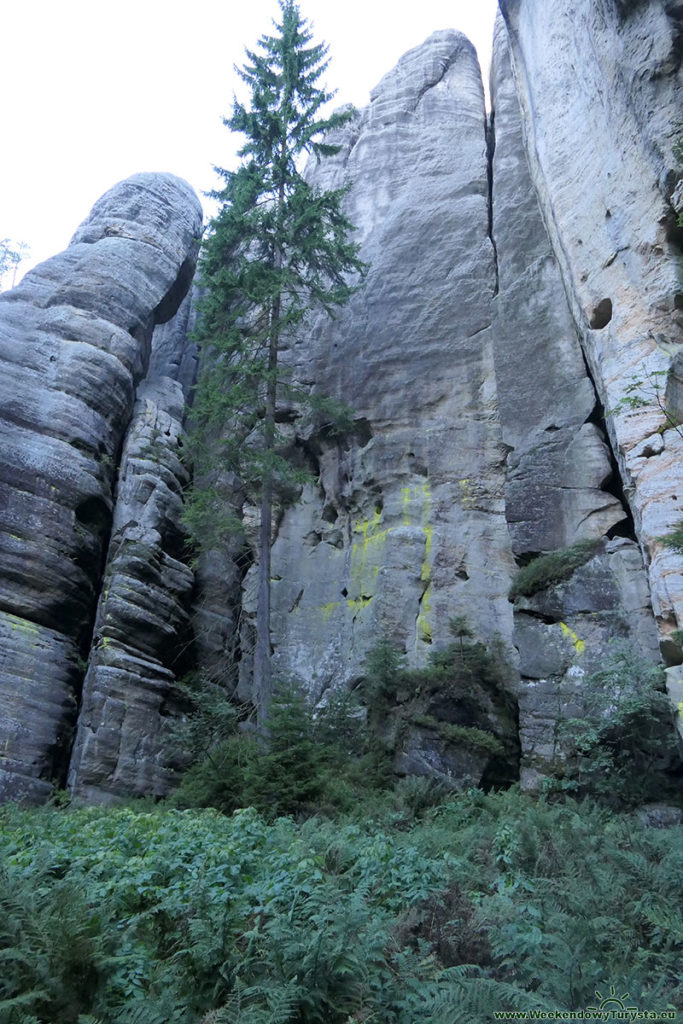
<point x="211" y="719"/>
<point x="384" y="667"/>
<point x="547" y="570"/>
<point x="462" y="735"/>
<point x="465" y="680"/>
<point x="53" y="943"/>
<point x="674" y="538"/>
<point x="310" y="762"/>
<point x="622" y="747"/>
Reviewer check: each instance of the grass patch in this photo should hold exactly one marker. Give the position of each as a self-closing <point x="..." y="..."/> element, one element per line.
<point x="674" y="538"/>
<point x="548" y="570"/>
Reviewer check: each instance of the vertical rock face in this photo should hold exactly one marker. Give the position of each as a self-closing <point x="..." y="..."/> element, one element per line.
<point x="559" y="461"/>
<point x="406" y="526"/>
<point x="142" y="638"/>
<point x="480" y="435"/>
<point x="141" y="631"/>
<point x="74" y="343"/>
<point x="514" y="293"/>
<point x="599" y="86"/>
<point x="559" y="471"/>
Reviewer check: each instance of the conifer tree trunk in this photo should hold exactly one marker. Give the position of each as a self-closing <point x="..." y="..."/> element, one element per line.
<point x="262" y="652"/>
<point x="262" y="659"/>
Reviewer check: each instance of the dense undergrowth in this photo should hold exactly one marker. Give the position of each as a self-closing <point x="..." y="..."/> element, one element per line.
<point x="483" y="903"/>
<point x="325" y="759"/>
<point x="293" y="880"/>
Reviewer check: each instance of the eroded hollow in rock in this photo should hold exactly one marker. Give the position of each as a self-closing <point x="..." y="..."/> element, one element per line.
<point x="602" y="314"/>
<point x="93" y="512"/>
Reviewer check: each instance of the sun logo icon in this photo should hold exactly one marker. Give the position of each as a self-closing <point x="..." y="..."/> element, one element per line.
<point x="611" y="1002"/>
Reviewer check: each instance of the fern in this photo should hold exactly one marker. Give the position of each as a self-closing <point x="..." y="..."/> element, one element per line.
<point x="466" y="996"/>
<point x="185" y="917"/>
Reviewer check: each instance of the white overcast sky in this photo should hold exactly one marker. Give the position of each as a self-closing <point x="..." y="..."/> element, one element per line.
<point x="95" y="90"/>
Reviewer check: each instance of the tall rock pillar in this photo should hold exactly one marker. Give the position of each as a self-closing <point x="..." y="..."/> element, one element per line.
<point x="74" y="343"/>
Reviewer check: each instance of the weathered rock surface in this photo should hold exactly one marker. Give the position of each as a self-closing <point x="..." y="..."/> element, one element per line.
<point x="559" y="463"/>
<point x="514" y="292"/>
<point x="559" y="469"/>
<point x="599" y="85"/>
<point x="566" y="632"/>
<point x="407" y="525"/>
<point x="141" y="638"/>
<point x="74" y="343"/>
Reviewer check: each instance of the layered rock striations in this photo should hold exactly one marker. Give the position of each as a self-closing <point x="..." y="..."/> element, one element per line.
<point x="599" y="87"/>
<point x="74" y="343"/>
<point x="142" y="638"/>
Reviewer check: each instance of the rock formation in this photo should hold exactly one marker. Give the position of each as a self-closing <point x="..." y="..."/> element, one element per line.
<point x="523" y="289"/>
<point x="75" y="340"/>
<point x="559" y="471"/>
<point x="599" y="87"/>
<point x="406" y="527"/>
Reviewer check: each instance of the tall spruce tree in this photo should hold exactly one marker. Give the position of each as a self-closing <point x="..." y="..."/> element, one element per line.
<point x="278" y="248"/>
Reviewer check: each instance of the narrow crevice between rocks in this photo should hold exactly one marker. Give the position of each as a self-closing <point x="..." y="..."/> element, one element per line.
<point x="614" y="485"/>
<point x="244" y="561"/>
<point x="490" y="129"/>
<point x="85" y="643"/>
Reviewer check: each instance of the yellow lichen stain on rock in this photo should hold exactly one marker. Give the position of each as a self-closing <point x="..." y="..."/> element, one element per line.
<point x="423" y="627"/>
<point x="328" y="610"/>
<point x="367" y="557"/>
<point x="366" y="553"/>
<point x="466" y="496"/>
<point x="417" y="504"/>
<point x="579" y="645"/>
<point x="426" y="573"/>
<point x="357" y="604"/>
<point x="21" y="625"/>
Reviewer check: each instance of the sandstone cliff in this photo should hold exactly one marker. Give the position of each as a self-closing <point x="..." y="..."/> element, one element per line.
<point x="75" y="341"/>
<point x="524" y="275"/>
<point x="599" y="87"/>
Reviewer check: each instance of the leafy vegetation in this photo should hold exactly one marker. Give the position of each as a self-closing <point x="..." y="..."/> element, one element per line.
<point x="674" y="538"/>
<point x="622" y="746"/>
<point x="367" y="902"/>
<point x="327" y="759"/>
<point x="488" y="903"/>
<point x="642" y="391"/>
<point x="311" y="761"/>
<point x="555" y="567"/>
<point x="468" y="736"/>
<point x="462" y="696"/>
<point x="11" y="255"/>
